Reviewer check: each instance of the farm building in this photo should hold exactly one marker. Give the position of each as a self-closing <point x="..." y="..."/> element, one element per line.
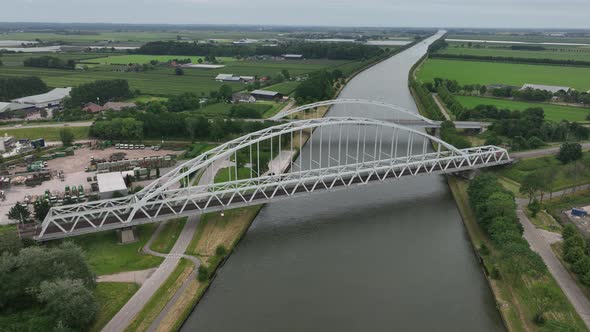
<point x="266" y="95"/>
<point x="110" y="106"/>
<point x="232" y="78"/>
<point x="92" y="108"/>
<point x="293" y="56"/>
<point x="113" y="106"/>
<point x="227" y="78"/>
<point x="550" y="88"/>
<point x="52" y="98"/>
<point x="8" y="107"/>
<point x="109" y="183"/>
<point x="242" y="98"/>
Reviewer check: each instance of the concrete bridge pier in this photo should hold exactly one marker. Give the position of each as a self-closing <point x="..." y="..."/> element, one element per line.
<point x="127" y="235"/>
<point x="467" y="175"/>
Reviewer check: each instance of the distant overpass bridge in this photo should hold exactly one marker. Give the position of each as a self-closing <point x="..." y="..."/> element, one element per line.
<point x="341" y="153"/>
<point x="414" y="120"/>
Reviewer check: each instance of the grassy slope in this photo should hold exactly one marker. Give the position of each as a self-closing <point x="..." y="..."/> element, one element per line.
<point x="164" y="242"/>
<point x="111" y="297"/>
<point x="106" y="256"/>
<point x="552" y="112"/>
<point x="50" y="134"/>
<point x="473" y="72"/>
<point x="520" y="170"/>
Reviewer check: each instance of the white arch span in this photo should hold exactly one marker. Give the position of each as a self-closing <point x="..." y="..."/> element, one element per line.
<point x="350" y="101"/>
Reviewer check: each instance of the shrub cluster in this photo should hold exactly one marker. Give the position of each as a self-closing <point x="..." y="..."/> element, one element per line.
<point x="575" y="252"/>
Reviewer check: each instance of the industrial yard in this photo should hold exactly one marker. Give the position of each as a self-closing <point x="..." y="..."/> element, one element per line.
<point x="72" y="171"/>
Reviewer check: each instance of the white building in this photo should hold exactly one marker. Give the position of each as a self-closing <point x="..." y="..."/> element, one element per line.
<point x="50" y="99"/>
<point x="109" y="183"/>
<point x="550" y="88"/>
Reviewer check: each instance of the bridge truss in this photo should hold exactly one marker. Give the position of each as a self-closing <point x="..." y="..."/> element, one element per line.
<point x="340" y="153"/>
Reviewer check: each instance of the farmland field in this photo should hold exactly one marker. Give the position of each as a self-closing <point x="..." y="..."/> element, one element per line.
<point x="162" y="81"/>
<point x="133" y="37"/>
<point x="580" y="54"/>
<point x="141" y="58"/>
<point x="16" y="59"/>
<point x="475" y="72"/>
<point x="530" y="39"/>
<point x="50" y="134"/>
<point x="552" y="112"/>
<point x="286" y="88"/>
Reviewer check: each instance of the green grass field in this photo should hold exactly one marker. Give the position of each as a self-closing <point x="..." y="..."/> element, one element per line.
<point x="50" y="134"/>
<point x="552" y="112"/>
<point x="140" y="58"/>
<point x="106" y="256"/>
<point x="164" y="242"/>
<point x="521" y="169"/>
<point x="533" y="39"/>
<point x="225" y="174"/>
<point x="559" y="54"/>
<point x="473" y="72"/>
<point x="111" y="297"/>
<point x="286" y="88"/>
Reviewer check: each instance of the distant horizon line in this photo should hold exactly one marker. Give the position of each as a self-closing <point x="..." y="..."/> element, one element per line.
<point x="296" y="26"/>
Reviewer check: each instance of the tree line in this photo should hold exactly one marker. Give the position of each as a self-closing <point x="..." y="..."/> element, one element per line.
<point x="50" y="288"/>
<point x="124" y="125"/>
<point x="100" y="91"/>
<point x="318" y="86"/>
<point x="48" y="61"/>
<point x="513" y="260"/>
<point x="425" y="100"/>
<point x="335" y="51"/>
<point x="575" y="252"/>
<point x="554" y="62"/>
<point x="17" y="87"/>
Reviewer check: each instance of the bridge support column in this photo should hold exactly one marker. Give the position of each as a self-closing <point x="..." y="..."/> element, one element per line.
<point x="127" y="235"/>
<point x="467" y="175"/>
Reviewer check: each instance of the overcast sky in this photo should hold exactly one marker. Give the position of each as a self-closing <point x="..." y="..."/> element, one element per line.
<point x="414" y="13"/>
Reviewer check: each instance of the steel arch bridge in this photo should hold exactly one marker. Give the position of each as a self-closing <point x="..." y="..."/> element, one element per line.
<point x="350" y="101"/>
<point x="340" y="153"/>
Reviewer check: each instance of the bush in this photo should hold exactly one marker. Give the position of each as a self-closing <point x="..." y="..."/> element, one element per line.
<point x="202" y="273"/>
<point x="220" y="251"/>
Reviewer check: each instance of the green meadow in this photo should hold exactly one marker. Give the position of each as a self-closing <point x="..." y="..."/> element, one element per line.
<point x="475" y="72"/>
<point x="552" y="112"/>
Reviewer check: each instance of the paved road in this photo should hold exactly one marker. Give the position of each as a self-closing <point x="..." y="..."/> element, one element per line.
<point x="124" y="317"/>
<point x="542" y="152"/>
<point x="541" y="244"/>
<point x="50" y="125"/>
<point x="443" y="110"/>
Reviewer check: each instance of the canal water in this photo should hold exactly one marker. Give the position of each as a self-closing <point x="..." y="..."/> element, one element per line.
<point x="383" y="257"/>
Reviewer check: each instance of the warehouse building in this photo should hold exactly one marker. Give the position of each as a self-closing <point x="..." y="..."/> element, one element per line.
<point x="109" y="183"/>
<point x="50" y="99"/>
<point x="293" y="56"/>
<point x="266" y="95"/>
<point x="550" y="88"/>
